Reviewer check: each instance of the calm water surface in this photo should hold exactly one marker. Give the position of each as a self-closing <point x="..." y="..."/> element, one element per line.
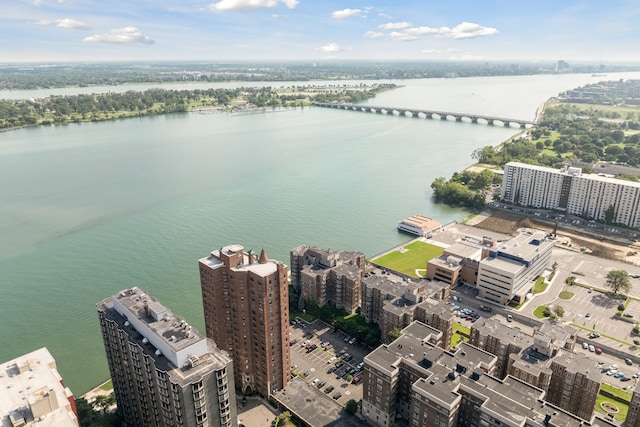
<point x="89" y="209"/>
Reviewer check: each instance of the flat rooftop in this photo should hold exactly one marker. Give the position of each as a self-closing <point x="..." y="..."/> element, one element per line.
<point x="175" y="346"/>
<point x="28" y="380"/>
<point x="422" y="222"/>
<point x="314" y="407"/>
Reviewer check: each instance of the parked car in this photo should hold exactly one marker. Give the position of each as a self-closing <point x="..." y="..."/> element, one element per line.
<point x="321" y="384"/>
<point x="485" y="308"/>
<point x="585" y="345"/>
<point x="629" y="315"/>
<point x="628" y="361"/>
<point x="598" y="350"/>
<point x="509" y="318"/>
<point x="329" y="389"/>
<point x="355" y="380"/>
<point x="618" y="375"/>
<point x="592" y="348"/>
<point x="337" y="396"/>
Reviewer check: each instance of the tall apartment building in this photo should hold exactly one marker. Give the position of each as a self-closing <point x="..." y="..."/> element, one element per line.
<point x="246" y="312"/>
<point x="411" y="382"/>
<point x="32" y="393"/>
<point x="328" y="278"/>
<point x="569" y="190"/>
<point x="164" y="372"/>
<point x="506" y="273"/>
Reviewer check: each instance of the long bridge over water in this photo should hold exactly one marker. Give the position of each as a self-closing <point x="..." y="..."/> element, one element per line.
<point x="431" y="114"/>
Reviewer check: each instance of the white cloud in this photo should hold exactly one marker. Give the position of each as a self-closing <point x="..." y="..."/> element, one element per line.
<point x="395" y="25"/>
<point x="224" y="5"/>
<point x="403" y="37"/>
<point x="466" y="30"/>
<point x="432" y="51"/>
<point x="374" y="34"/>
<point x="419" y="31"/>
<point x="72" y="24"/>
<point x="67" y="23"/>
<point x="345" y="13"/>
<point x="331" y="47"/>
<point x="124" y="35"/>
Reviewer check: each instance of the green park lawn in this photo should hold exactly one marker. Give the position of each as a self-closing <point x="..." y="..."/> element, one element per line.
<point x="415" y="257"/>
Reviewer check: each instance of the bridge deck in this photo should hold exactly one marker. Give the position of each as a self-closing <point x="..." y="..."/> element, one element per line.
<point x="429" y="113"/>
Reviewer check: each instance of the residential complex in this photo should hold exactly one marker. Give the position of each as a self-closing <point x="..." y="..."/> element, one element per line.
<point x="422" y="385"/>
<point x="395" y="304"/>
<point x="164" y="372"/>
<point x="246" y="312"/>
<point x="592" y="196"/>
<point x="32" y="393"/>
<point x="328" y="278"/>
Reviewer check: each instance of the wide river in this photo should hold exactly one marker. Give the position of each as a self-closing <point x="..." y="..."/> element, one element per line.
<point x="89" y="209"/>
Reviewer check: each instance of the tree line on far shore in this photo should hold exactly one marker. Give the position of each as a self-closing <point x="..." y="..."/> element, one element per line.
<point x="109" y="106"/>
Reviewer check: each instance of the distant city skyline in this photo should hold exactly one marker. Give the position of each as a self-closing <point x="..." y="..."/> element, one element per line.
<point x="249" y="30"/>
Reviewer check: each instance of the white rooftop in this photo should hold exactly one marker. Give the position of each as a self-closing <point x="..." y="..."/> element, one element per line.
<point x="31" y="390"/>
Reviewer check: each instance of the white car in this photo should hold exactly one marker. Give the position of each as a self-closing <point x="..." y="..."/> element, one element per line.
<point x="592" y="348"/>
<point x="585" y="345"/>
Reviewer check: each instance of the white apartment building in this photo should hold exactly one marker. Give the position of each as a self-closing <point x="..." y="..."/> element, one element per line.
<point x="569" y="190"/>
<point x="507" y="272"/>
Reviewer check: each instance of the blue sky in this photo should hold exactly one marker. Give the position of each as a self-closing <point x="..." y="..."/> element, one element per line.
<point x="223" y="30"/>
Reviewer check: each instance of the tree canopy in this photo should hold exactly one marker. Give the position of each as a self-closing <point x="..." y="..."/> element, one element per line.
<point x="618" y="279"/>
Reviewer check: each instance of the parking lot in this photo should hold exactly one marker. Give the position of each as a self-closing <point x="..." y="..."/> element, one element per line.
<point x="334" y="368"/>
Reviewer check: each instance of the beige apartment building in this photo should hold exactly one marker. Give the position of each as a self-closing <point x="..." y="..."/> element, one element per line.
<point x="32" y="393"/>
<point x="246" y="312"/>
<point x="164" y="372"/>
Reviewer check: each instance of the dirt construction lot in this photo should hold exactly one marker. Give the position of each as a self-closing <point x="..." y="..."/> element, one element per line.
<point x="571" y="238"/>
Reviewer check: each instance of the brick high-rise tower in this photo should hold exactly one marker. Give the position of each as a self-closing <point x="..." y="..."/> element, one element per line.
<point x="246" y="312"/>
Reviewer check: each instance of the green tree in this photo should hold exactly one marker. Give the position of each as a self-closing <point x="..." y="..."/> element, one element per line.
<point x="351" y="406"/>
<point x="558" y="310"/>
<point x="282" y="419"/>
<point x="571" y="280"/>
<point x="394" y="334"/>
<point x="609" y="214"/>
<point x="618" y="279"/>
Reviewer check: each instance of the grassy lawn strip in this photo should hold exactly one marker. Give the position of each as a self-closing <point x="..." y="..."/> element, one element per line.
<point x="460" y="333"/>
<point x="540" y="312"/>
<point x="565" y="295"/>
<point x="107" y="386"/>
<point x="622" y="408"/>
<point x="416" y="257"/>
<point x="540" y="286"/>
<point x="616" y="392"/>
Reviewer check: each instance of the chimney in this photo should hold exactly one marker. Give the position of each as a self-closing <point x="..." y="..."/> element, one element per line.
<point x="250" y="256"/>
<point x="147" y="312"/>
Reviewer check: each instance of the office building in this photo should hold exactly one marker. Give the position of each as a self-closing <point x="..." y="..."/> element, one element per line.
<point x="32" y="393"/>
<point x="164" y="372"/>
<point x="328" y="278"/>
<point x="246" y="312"/>
<point x="591" y="196"/>
<point x="507" y="272"/>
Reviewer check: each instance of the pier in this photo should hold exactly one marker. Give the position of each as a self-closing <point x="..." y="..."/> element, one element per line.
<point x="432" y="114"/>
